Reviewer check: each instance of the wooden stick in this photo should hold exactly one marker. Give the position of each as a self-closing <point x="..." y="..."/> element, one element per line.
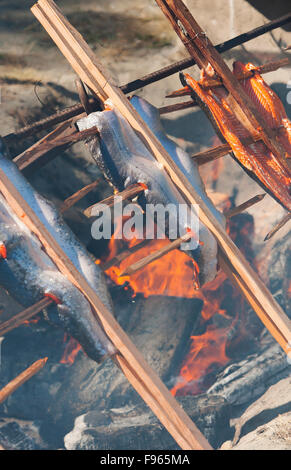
<point x="23" y="316"/>
<point x="21" y="379"/>
<point x="177" y="107"/>
<point x="128" y="193"/>
<point x="277" y="227"/>
<point x="78" y="195"/>
<point x="203" y="52"/>
<point x="89" y="70"/>
<point x="153" y="77"/>
<point x="36" y="150"/>
<point x="220" y="151"/>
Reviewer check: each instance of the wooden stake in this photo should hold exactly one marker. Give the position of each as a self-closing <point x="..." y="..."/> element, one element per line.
<point x="91" y="72"/>
<point x="23" y="316"/>
<point x="128" y="193"/>
<point x="123" y="255"/>
<point x="244" y="206"/>
<point x="21" y="379"/>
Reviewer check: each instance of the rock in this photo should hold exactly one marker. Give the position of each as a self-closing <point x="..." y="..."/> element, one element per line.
<point x="275" y="401"/>
<point x="135" y="427"/>
<point x="243" y="381"/>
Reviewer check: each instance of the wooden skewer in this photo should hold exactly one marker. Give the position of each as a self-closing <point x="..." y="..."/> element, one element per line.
<point x="277" y="227"/>
<point x="24" y="315"/>
<point x="244" y="206"/>
<point x="34" y="153"/>
<point x="21" y="379"/>
<point x="177" y="107"/>
<point x="77" y="196"/>
<point x="128" y="193"/>
<point x="219" y="151"/>
<point x="83" y="96"/>
<point x="124" y="254"/>
<point x="142" y="263"/>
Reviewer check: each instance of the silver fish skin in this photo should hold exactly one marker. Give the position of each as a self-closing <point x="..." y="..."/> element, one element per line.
<point x="28" y="272"/>
<point x="129" y="161"/>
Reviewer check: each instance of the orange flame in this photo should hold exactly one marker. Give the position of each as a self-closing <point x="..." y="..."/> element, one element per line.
<point x="71" y="350"/>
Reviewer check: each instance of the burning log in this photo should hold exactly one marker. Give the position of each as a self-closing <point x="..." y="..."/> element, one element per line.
<point x="129" y="193"/>
<point x="280" y="224"/>
<point x="21" y="379"/>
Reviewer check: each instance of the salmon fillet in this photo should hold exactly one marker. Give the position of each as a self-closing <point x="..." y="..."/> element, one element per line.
<point x="255" y="158"/>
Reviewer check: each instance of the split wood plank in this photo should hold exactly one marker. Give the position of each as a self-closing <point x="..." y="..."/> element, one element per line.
<point x="203" y="52"/>
<point x="85" y="64"/>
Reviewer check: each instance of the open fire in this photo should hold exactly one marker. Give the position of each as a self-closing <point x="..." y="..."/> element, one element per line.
<point x="174" y="275"/>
